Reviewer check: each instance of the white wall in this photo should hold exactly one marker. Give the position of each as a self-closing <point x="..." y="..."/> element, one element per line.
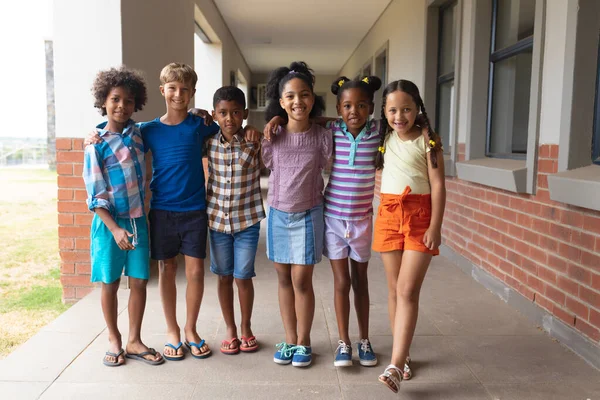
<point x="87" y="38"/>
<point x="149" y="43"/>
<point x="232" y="57"/>
<point x="403" y="24"/>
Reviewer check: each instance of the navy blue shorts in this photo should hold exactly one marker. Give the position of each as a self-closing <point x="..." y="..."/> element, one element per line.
<point x="174" y="232"/>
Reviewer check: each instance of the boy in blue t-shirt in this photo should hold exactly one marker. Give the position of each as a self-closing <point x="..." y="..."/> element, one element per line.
<point x="177" y="217"/>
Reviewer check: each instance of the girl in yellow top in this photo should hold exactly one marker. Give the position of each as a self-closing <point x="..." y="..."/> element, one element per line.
<point x="409" y="219"/>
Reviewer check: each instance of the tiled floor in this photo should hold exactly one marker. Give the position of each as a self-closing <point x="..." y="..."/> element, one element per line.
<point x="469" y="345"/>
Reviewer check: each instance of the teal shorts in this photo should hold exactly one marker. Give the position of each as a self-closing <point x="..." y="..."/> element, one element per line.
<point x="109" y="261"/>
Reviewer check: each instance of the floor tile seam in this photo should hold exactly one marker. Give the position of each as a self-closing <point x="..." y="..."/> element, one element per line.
<point x="75" y="358"/>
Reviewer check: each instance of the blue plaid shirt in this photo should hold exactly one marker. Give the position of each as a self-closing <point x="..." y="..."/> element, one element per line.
<point x="114" y="172"/>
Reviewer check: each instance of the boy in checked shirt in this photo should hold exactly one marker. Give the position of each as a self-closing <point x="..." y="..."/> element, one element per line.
<point x="234" y="208"/>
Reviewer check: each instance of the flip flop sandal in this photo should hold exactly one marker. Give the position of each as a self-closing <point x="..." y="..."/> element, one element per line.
<point x="407" y="374"/>
<point x="248" y="349"/>
<point x="225" y="349"/>
<point x="176" y="357"/>
<point x="140" y="357"/>
<point x="387" y="373"/>
<point x="116" y="363"/>
<point x="198" y="346"/>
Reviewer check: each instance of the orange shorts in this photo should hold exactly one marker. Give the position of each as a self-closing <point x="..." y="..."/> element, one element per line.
<point x="402" y="221"/>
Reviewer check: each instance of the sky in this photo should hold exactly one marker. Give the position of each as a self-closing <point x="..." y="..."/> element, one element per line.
<point x="24" y="26"/>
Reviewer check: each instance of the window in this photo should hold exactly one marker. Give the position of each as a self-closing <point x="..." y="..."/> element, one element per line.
<point x="381" y="72"/>
<point x="445" y="74"/>
<point x="511" y="59"/>
<point x="596" y="137"/>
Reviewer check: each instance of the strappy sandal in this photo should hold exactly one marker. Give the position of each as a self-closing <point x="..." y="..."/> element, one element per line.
<point x="391" y="378"/>
<point x="407" y="375"/>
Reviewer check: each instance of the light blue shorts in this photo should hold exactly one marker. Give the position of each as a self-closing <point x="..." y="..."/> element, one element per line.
<point x="345" y="239"/>
<point x="233" y="254"/>
<point x="295" y="238"/>
<point x="109" y="261"/>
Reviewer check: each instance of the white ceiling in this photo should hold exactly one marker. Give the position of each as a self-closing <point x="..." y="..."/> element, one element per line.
<point x="323" y="33"/>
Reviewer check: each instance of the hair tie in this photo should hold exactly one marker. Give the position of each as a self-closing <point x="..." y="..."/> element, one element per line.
<point x="366" y="80"/>
<point x="381" y="149"/>
<point x="292" y="71"/>
<point x="341" y="82"/>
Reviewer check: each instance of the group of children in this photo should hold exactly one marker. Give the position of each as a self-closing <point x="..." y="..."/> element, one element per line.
<point x="304" y="221"/>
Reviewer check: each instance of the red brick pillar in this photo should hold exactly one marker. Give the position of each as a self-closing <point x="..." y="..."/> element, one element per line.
<point x="74" y="220"/>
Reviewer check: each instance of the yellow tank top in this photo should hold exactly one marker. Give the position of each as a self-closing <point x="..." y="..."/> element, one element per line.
<point x="405" y="165"/>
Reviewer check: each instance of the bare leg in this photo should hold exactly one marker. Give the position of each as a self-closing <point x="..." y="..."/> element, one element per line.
<point x="341" y="284"/>
<point x="360" y="286"/>
<point x="108" y="299"/>
<point x="168" y="293"/>
<point x="194" y="273"/>
<point x="305" y="301"/>
<point x="225" y="290"/>
<point x="392" y="260"/>
<point x="137" y="305"/>
<point x="246" y="297"/>
<point x="287" y="302"/>
<point x="412" y="273"/>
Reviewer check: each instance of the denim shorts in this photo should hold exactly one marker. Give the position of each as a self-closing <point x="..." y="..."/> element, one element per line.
<point x="109" y="262"/>
<point x="345" y="239"/>
<point x="233" y="254"/>
<point x="295" y="238"/>
<point x="174" y="232"/>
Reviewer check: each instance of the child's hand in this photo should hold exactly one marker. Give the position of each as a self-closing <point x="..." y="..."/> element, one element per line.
<point x="272" y="125"/>
<point x="198" y="112"/>
<point x="432" y="238"/>
<point x="92" y="138"/>
<point x="122" y="238"/>
<point x="251" y="134"/>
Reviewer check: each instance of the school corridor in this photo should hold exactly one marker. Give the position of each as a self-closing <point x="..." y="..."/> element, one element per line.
<point x="511" y="310"/>
<point x="469" y="345"/>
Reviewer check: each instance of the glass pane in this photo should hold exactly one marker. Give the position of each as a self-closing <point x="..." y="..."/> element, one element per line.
<point x="514" y="21"/>
<point x="446" y="114"/>
<point x="447" y="40"/>
<point x="510" y="105"/>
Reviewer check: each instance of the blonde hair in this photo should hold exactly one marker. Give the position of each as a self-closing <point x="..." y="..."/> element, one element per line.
<point x="177" y="72"/>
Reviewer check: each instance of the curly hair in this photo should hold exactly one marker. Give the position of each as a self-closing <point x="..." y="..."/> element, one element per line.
<point x="130" y="79"/>
<point x="411" y="89"/>
<point x="368" y="84"/>
<point x="229" y="93"/>
<point x="277" y="80"/>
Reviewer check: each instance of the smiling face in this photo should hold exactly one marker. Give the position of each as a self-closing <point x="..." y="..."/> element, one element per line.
<point x="400" y="111"/>
<point x="354" y="107"/>
<point x="177" y="95"/>
<point x="297" y="99"/>
<point x="119" y="106"/>
<point x="229" y="115"/>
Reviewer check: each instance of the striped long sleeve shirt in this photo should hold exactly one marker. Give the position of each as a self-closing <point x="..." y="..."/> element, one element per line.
<point x="114" y="172"/>
<point x="349" y="193"/>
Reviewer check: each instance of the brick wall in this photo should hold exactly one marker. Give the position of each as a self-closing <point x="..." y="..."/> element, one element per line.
<point x="547" y="251"/>
<point x="74" y="220"/>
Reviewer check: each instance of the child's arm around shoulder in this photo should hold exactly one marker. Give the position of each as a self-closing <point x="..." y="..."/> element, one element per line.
<point x="437" y="180"/>
<point x="326" y="145"/>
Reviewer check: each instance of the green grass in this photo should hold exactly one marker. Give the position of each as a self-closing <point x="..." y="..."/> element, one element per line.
<point x="30" y="290"/>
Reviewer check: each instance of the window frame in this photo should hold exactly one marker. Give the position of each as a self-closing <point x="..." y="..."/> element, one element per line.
<point x="596" y="129"/>
<point x="442" y="79"/>
<point x="497" y="56"/>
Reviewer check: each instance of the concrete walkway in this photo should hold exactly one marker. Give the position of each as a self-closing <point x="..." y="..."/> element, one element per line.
<point x="469" y="344"/>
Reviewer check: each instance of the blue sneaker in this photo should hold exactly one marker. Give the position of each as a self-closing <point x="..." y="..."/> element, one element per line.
<point x="366" y="355"/>
<point x="302" y="356"/>
<point x="343" y="355"/>
<point x="284" y="353"/>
